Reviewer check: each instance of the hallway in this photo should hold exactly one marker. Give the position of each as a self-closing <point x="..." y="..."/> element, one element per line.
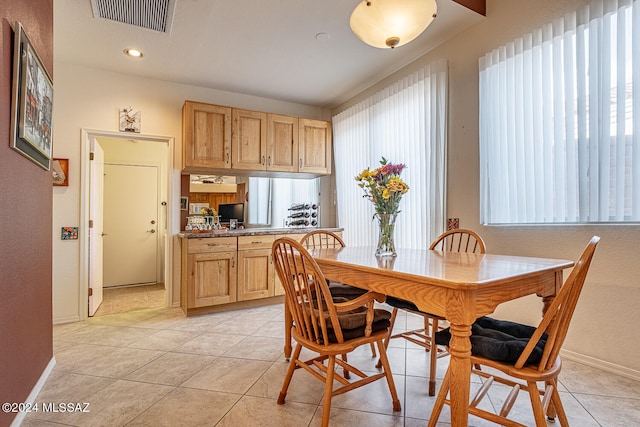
<point x="130" y="298"/>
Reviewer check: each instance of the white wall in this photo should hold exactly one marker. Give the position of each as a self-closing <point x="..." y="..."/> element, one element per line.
<point x="87" y="98"/>
<point x="603" y="329"/>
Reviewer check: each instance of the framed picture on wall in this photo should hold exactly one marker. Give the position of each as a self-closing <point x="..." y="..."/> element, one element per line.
<point x="60" y="172"/>
<point x="31" y="102"/>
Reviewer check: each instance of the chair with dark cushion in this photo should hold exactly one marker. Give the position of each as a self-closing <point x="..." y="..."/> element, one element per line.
<point x="328" y="328"/>
<point x="318" y="239"/>
<point x="458" y="240"/>
<point x="520" y="356"/>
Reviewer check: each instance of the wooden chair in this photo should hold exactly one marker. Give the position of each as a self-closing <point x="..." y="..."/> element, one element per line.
<point x="318" y="239"/>
<point x="555" y="324"/>
<point x="458" y="240"/>
<point x="327" y="328"/>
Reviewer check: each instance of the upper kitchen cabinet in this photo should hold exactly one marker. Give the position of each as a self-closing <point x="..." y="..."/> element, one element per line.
<point x="225" y="140"/>
<point x="282" y="143"/>
<point x="206" y="138"/>
<point x="314" y="147"/>
<point x="249" y="140"/>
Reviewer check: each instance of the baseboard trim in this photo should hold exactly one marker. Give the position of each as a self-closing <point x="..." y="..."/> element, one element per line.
<point x="601" y="364"/>
<point x="70" y="319"/>
<point x="35" y="391"/>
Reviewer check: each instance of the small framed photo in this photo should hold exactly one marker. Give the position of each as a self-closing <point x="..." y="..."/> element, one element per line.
<point x="184" y="203"/>
<point x="31" y="102"/>
<point x="129" y="120"/>
<point x="60" y="172"/>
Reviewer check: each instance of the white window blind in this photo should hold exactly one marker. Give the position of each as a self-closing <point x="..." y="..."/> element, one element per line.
<point x="560" y="120"/>
<point x="406" y="123"/>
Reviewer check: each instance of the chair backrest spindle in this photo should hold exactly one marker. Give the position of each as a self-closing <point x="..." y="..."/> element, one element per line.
<point x="459" y="240"/>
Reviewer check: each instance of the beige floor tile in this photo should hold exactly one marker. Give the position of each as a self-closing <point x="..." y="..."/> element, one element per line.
<point x="609" y="411"/>
<point x="304" y="388"/>
<point x="119" y="403"/>
<point x="258" y="412"/>
<point x="170" y="368"/>
<point x="113" y="362"/>
<point x="583" y="379"/>
<point x="210" y="344"/>
<point x="258" y="348"/>
<point x="202" y="323"/>
<point x="187" y="408"/>
<point x="352" y="418"/>
<point x="240" y="326"/>
<point x="271" y="328"/>
<point x="163" y="340"/>
<point x="228" y="375"/>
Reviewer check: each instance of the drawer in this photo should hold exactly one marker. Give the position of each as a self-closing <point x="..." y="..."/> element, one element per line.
<point x="255" y="242"/>
<point x="212" y="244"/>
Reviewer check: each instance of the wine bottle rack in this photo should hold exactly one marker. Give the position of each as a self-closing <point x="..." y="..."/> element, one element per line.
<point x="303" y="215"/>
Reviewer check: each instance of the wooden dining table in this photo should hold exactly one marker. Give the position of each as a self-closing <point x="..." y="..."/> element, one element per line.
<point x="458" y="286"/>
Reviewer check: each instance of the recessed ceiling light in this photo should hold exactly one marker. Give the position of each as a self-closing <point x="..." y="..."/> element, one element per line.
<point x="323" y="37"/>
<point x="134" y="53"/>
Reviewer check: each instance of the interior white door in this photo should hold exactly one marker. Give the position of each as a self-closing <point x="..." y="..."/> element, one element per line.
<point x="96" y="214"/>
<point x="130" y="224"/>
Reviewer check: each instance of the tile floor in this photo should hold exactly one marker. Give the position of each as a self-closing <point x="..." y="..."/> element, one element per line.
<point x="129" y="298"/>
<point x="154" y="367"/>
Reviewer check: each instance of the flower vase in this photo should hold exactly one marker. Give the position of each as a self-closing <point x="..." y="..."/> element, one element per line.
<point x="386" y="243"/>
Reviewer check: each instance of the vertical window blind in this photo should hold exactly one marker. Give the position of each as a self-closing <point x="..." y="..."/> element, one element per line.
<point x="560" y="120"/>
<point x="405" y="123"/>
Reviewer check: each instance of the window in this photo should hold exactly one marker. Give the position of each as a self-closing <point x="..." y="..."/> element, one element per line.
<point x="560" y="121"/>
<point x="405" y="123"/>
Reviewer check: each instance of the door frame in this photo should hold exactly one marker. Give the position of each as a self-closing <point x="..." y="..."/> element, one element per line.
<point x="87" y="135"/>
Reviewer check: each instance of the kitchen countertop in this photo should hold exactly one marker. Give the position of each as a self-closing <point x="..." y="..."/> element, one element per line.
<point x="252" y="232"/>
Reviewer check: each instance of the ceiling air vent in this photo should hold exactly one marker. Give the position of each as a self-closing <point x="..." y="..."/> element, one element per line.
<point x="156" y="15"/>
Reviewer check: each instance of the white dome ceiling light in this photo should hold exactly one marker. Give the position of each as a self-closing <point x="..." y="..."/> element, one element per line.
<point x="391" y="23"/>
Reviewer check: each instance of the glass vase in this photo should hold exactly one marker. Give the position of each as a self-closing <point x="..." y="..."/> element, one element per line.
<point x="386" y="243"/>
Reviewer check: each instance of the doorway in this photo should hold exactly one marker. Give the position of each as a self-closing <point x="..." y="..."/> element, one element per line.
<point x="133" y="235"/>
<point x="130" y="236"/>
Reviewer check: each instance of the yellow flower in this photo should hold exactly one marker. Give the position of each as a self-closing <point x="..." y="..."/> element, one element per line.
<point x="385" y="194"/>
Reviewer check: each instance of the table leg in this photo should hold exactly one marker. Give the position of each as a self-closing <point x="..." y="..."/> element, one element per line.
<point x="546" y="302"/>
<point x="460" y="369"/>
<point x="288" y="321"/>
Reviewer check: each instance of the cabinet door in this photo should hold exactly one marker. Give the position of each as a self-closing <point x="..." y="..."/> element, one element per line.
<point x="206" y="135"/>
<point x="282" y="143"/>
<point x="255" y="274"/>
<point x="249" y="140"/>
<point x="314" y="146"/>
<point x="211" y="279"/>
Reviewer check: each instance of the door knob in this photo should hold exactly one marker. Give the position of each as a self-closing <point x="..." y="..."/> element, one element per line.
<point x="153" y="221"/>
<point x="151" y="231"/>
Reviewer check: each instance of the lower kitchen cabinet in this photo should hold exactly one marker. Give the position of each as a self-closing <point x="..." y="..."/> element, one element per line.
<point x="255" y="267"/>
<point x="221" y="270"/>
<point x="208" y="272"/>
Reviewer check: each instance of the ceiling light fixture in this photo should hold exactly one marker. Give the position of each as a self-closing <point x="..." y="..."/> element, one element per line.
<point x="134" y="53"/>
<point x="391" y="23"/>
